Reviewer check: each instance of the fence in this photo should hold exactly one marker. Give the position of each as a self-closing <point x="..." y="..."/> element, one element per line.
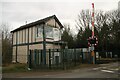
<point x="67" y="58"/>
<point x="55" y="58"/>
<point x="106" y="57"/>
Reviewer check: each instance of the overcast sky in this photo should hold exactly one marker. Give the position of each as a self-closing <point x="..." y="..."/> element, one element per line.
<point x="17" y="13"/>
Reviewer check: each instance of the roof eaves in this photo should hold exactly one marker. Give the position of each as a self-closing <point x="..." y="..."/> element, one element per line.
<point x="41" y="21"/>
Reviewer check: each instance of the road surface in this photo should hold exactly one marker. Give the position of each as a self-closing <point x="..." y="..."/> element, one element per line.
<point x="111" y="70"/>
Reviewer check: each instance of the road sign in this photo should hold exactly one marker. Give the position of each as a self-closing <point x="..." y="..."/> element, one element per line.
<point x="92" y="41"/>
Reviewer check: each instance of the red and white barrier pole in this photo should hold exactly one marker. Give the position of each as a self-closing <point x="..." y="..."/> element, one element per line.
<point x="92" y="52"/>
<point x="92" y="20"/>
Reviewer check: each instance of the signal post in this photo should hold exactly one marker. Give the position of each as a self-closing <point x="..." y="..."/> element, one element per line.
<point x="92" y="41"/>
<point x="92" y="52"/>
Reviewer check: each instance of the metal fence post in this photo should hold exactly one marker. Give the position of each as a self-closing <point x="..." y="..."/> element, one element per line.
<point x="34" y="57"/>
<point x="95" y="57"/>
<point x="75" y="56"/>
<point x="29" y="60"/>
<point x="41" y="59"/>
<point x="82" y="56"/>
<point x="49" y="58"/>
<point x="64" y="58"/>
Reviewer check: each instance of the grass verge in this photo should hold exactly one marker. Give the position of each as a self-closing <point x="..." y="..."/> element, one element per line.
<point x="14" y="68"/>
<point x="11" y="68"/>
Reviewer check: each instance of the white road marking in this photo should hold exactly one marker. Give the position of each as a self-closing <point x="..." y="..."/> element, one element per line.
<point x="99" y="68"/>
<point x="108" y="71"/>
<point x="104" y="67"/>
<point x="96" y="68"/>
<point x="115" y="69"/>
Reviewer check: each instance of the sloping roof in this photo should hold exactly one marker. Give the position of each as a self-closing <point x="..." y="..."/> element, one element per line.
<point x="38" y="22"/>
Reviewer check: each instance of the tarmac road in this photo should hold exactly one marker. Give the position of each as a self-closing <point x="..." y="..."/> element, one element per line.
<point x="111" y="70"/>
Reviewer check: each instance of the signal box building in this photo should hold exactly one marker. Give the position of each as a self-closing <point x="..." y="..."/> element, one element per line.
<point x="42" y="34"/>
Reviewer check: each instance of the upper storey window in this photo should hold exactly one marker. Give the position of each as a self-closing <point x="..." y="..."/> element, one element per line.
<point x="50" y="32"/>
<point x="39" y="31"/>
<point x="56" y="34"/>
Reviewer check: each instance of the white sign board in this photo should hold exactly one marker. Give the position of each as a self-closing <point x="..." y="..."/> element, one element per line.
<point x="91" y="48"/>
<point x="97" y="55"/>
<point x="85" y="49"/>
<point x="56" y="54"/>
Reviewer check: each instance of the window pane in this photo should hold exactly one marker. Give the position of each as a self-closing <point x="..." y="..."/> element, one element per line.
<point x="39" y="32"/>
<point x="49" y="32"/>
<point x="56" y="34"/>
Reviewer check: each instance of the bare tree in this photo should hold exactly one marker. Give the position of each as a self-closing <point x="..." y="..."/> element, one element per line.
<point x="84" y="19"/>
<point x="5" y="29"/>
<point x="6" y="43"/>
<point x="100" y="19"/>
<point x="112" y="16"/>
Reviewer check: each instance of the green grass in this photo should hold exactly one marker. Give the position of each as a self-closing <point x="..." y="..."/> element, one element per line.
<point x="14" y="68"/>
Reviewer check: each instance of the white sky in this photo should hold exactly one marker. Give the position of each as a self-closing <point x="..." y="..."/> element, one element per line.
<point x="16" y="12"/>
